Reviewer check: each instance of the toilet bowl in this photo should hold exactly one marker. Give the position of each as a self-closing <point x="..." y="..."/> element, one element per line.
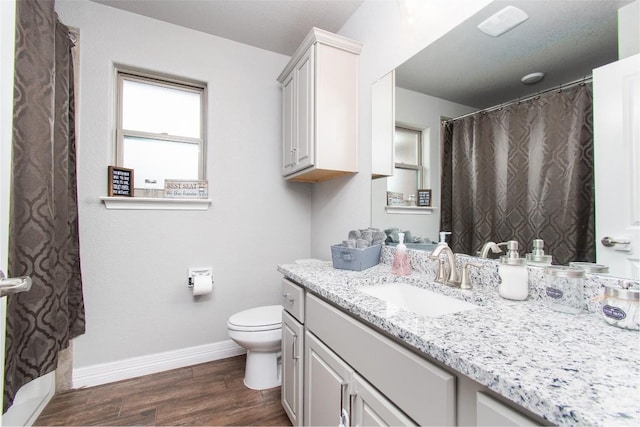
<point x="259" y="330"/>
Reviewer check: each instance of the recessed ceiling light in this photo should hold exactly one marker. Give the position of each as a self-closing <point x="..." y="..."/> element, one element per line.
<point x="532" y="78"/>
<point x="503" y="21"/>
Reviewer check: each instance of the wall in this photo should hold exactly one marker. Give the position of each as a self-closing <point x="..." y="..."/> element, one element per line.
<point x="134" y="263"/>
<point x="419" y="111"/>
<point x="342" y="204"/>
<point x="629" y="30"/>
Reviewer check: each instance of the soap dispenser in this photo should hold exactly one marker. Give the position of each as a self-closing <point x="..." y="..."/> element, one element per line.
<point x="537" y="256"/>
<point x="514" y="276"/>
<point x="443" y="237"/>
<point x="400" y="264"/>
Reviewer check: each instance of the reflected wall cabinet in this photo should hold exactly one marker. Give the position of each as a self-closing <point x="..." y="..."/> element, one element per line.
<point x="383" y="125"/>
<point x="319" y="108"/>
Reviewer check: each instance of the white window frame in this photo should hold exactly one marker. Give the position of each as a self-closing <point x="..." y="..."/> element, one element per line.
<point x="169" y="82"/>
<point x="423" y="171"/>
<point x="410" y="166"/>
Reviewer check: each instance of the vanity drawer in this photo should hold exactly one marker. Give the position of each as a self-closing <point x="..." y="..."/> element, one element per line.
<point x="293" y="299"/>
<point x="422" y="390"/>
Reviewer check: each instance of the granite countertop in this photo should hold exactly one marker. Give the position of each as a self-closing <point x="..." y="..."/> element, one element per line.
<point x="568" y="369"/>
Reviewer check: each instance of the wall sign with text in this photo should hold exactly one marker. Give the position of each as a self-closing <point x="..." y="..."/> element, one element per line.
<point x="424" y="198"/>
<point x="186" y="189"/>
<point x="120" y="181"/>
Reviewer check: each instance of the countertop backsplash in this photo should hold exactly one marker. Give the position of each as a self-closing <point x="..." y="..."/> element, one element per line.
<point x="487" y="275"/>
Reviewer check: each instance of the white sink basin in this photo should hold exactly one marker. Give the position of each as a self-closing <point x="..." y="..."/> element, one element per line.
<point x="417" y="300"/>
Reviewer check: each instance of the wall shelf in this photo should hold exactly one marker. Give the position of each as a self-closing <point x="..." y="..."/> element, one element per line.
<point x="155" y="203"/>
<point x="411" y="210"/>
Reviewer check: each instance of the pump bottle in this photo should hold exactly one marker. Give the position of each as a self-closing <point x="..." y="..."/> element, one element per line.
<point x="514" y="276"/>
<point x="400" y="264"/>
<point x="443" y="237"/>
<point x="537" y="255"/>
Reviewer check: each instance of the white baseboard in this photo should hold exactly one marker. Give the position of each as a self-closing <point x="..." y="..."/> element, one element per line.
<point x="144" y="365"/>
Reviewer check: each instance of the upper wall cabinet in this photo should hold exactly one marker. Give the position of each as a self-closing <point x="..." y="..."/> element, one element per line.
<point x="320" y="108"/>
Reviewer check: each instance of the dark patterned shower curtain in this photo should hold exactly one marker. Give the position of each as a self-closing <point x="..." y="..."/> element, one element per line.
<point x="521" y="173"/>
<point x="43" y="233"/>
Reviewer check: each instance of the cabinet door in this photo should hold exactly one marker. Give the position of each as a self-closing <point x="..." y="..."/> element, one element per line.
<point x="383" y="125"/>
<point x="490" y="412"/>
<point x="292" y="367"/>
<point x="304" y="136"/>
<point x="288" y="120"/>
<point x="421" y="389"/>
<point x="326" y="384"/>
<point x="370" y="408"/>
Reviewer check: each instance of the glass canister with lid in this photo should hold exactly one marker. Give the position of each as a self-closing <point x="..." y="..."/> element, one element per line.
<point x="620" y="305"/>
<point x="590" y="267"/>
<point x="564" y="288"/>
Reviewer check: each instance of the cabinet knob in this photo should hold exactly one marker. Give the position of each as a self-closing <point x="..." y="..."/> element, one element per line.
<point x="287" y="296"/>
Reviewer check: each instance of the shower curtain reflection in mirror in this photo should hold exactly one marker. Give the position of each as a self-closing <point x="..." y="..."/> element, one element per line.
<point x="523" y="172"/>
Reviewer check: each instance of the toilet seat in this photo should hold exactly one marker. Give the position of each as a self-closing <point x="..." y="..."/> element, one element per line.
<point x="265" y="318"/>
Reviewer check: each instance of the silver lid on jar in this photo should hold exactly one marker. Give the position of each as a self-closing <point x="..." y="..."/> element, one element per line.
<point x="512" y="261"/>
<point x="590" y="267"/>
<point x="626" y="291"/>
<point x="512" y="257"/>
<point x="562" y="271"/>
<point x="541" y="259"/>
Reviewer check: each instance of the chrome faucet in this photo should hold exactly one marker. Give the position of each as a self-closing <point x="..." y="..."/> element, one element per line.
<point x="494" y="247"/>
<point x="454" y="277"/>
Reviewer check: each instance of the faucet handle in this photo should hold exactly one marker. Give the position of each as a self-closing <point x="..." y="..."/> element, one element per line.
<point x="440" y="273"/>
<point x="465" y="282"/>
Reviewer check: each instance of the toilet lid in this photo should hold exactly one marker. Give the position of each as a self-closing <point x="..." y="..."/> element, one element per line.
<point x="257" y="319"/>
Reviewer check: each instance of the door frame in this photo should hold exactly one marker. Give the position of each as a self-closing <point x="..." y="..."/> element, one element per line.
<point x="7" y="46"/>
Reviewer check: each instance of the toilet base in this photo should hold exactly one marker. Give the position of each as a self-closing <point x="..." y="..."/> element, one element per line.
<point x="262" y="370"/>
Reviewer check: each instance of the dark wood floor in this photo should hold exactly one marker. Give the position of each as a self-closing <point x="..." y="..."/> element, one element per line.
<point x="208" y="394"/>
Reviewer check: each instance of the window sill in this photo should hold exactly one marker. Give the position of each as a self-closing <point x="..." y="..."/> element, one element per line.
<point x="413" y="210"/>
<point x="155" y="203"/>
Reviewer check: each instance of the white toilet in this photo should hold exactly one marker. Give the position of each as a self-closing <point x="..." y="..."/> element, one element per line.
<point x="259" y="330"/>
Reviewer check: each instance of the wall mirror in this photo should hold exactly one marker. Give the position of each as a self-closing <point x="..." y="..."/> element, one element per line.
<point x="466" y="71"/>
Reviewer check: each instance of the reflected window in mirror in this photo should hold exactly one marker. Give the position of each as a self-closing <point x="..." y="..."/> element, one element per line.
<point x="410" y="172"/>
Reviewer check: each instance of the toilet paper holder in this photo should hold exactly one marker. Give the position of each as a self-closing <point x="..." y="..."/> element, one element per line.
<point x="199" y="271"/>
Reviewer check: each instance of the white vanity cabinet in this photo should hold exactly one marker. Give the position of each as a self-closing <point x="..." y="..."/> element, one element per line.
<point x="334" y="389"/>
<point x="411" y="385"/>
<point x="292" y="350"/>
<point x="319" y="108"/>
<point x="332" y="362"/>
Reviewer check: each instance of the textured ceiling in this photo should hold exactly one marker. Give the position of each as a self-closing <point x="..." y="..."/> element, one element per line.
<point x="564" y="39"/>
<point x="274" y="25"/>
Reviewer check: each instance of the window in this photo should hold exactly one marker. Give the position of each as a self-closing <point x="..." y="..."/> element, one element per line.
<point x="409" y="173"/>
<point x="160" y="129"/>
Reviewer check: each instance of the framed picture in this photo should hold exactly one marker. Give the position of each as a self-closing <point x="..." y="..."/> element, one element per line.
<point x="120" y="182"/>
<point x="424" y="198"/>
<point x="394" y="198"/>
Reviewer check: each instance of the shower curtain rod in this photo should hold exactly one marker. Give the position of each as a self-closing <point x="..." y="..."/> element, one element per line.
<point x="585" y="79"/>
